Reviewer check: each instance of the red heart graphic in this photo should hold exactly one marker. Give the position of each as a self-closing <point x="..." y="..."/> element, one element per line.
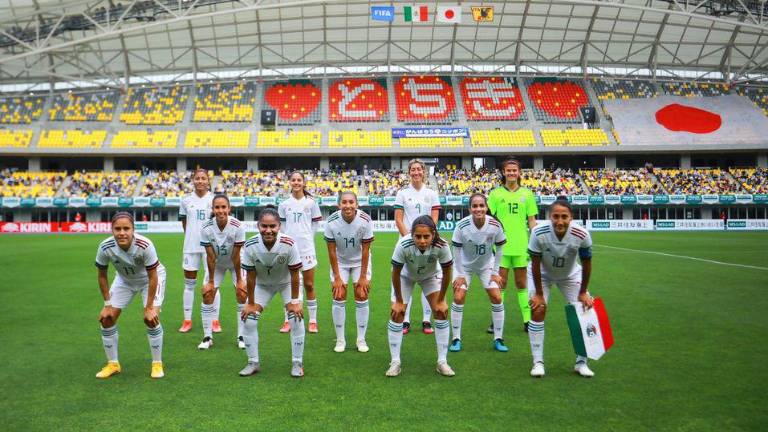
<point x="293" y="101"/>
<point x="559" y="99"/>
<point x="682" y="118"/>
<point x="357" y="99"/>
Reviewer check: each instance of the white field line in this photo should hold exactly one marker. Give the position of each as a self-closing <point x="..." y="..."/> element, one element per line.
<point x="685" y="257"/>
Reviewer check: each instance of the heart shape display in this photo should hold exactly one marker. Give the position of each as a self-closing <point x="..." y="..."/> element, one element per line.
<point x="293" y="101"/>
<point x="560" y="99"/>
<point x="357" y="100"/>
<point x="683" y="118"/>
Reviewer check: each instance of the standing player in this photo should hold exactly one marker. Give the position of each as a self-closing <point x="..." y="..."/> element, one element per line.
<point x="299" y="216"/>
<point x="222" y="237"/>
<point x="349" y="233"/>
<point x="553" y="247"/>
<point x="194" y="211"/>
<point x="515" y="207"/>
<point x="272" y="262"/>
<point x="478" y="241"/>
<point x="138" y="271"/>
<point x="411" y="202"/>
<point x="423" y="258"/>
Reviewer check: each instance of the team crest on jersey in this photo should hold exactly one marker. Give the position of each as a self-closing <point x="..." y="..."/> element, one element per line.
<point x="137" y="260"/>
<point x="432" y="259"/>
<point x="282" y="259"/>
<point x="522" y="199"/>
<point x="360" y="232"/>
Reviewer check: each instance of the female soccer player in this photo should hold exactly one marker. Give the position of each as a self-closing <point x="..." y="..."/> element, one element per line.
<point x="515" y="207"/>
<point x="553" y="247"/>
<point x="138" y="271"/>
<point x="222" y="237"/>
<point x="194" y="211"/>
<point x="349" y="233"/>
<point x="300" y="216"/>
<point x="478" y="241"/>
<point x="411" y="202"/>
<point x="272" y="262"/>
<point x="420" y="257"/>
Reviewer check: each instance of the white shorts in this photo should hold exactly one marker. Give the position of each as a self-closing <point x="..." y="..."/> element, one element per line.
<point x="351" y="272"/>
<point x="428" y="286"/>
<point x="308" y="262"/>
<point x="263" y="294"/>
<point x="484" y="276"/>
<point x="570" y="287"/>
<point x="192" y="261"/>
<point x="220" y="272"/>
<point x="122" y="290"/>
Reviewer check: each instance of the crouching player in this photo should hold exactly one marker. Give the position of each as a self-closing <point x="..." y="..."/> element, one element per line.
<point x="138" y="271"/>
<point x="272" y="263"/>
<point x="554" y="247"/>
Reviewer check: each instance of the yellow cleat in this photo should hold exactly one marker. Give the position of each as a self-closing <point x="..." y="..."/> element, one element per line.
<point x="112" y="368"/>
<point x="157" y="370"/>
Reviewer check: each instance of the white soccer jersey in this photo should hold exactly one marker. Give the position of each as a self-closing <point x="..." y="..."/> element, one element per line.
<point x="131" y="265"/>
<point x="349" y="237"/>
<point x="196" y="211"/>
<point x="558" y="257"/>
<point x="416" y="203"/>
<point x="273" y="266"/>
<point x="418" y="265"/>
<point x="222" y="241"/>
<point x="476" y="245"/>
<point x="297" y="217"/>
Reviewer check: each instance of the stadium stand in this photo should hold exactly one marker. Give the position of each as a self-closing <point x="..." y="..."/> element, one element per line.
<point x="758" y="96"/>
<point x="289" y="139"/>
<point x="84" y="106"/>
<point x="100" y="184"/>
<point x="360" y="139"/>
<point x="574" y="137"/>
<point x="225" y="102"/>
<point x="358" y="100"/>
<point x="155" y="105"/>
<point x="145" y="139"/>
<point x="753" y="180"/>
<point x="556" y="100"/>
<point x="15" y="138"/>
<point x="432" y="142"/>
<point x="607" y="88"/>
<point x="167" y="184"/>
<point x="464" y="182"/>
<point x="425" y="99"/>
<point x="21" y="109"/>
<point x="492" y="99"/>
<point x="78" y="139"/>
<point x="383" y="182"/>
<point x="693" y="89"/>
<point x="696" y="181"/>
<point x="502" y="138"/>
<point x="325" y="183"/>
<point x="206" y="139"/>
<point x="552" y="182"/>
<point x="30" y="184"/>
<point x="250" y="183"/>
<point x="620" y="181"/>
<point x="296" y="102"/>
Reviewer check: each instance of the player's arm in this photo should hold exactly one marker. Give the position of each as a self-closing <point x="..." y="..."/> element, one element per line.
<point x="150" y="314"/>
<point x="236" y="248"/>
<point x="398" y="308"/>
<point x="435" y="214"/>
<point x="532" y="211"/>
<point x="294" y="265"/>
<point x="333" y="259"/>
<point x="534" y="250"/>
<point x="183" y="216"/>
<point x="531" y="223"/>
<point x="585" y="256"/>
<point x="210" y="261"/>
<point x="447" y="276"/>
<point x="457" y="251"/>
<point x="317" y="216"/>
<point x="103" y="282"/>
<point x="247" y="263"/>
<point x="399" y="215"/>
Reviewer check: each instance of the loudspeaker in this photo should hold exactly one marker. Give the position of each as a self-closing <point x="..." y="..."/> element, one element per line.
<point x="268" y="117"/>
<point x="588" y="114"/>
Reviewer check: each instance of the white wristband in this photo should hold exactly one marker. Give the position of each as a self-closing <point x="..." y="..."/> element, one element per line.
<point x="107" y="303"/>
<point x="296" y="301"/>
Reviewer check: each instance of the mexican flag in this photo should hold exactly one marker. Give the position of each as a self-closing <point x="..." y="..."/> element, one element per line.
<point x="417" y="13"/>
<point x="590" y="330"/>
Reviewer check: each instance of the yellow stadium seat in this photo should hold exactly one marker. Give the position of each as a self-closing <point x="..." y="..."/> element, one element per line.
<point x="360" y="139"/>
<point x="502" y="138"/>
<point x="289" y="139"/>
<point x="15" y="138"/>
<point x="231" y="139"/>
<point x="31" y="184"/>
<point x="72" y="139"/>
<point x="432" y="142"/>
<point x="145" y="139"/>
<point x="574" y="137"/>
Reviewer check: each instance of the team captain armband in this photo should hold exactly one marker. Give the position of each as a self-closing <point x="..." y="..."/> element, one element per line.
<point x="585" y="253"/>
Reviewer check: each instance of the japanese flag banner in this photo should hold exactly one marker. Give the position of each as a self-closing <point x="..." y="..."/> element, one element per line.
<point x="590" y="329"/>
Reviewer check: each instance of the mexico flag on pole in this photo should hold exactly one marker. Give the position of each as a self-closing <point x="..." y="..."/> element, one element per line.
<point x="415" y="13"/>
<point x="590" y="329"/>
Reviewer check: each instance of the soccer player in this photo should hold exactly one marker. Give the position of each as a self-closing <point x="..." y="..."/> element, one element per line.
<point x="272" y="262"/>
<point x="349" y="233"/>
<point x="515" y="207"/>
<point x="554" y="247"/>
<point x="222" y="237"/>
<point x="423" y="258"/>
<point x="299" y="217"/>
<point x="194" y="211"/>
<point x="478" y="242"/>
<point x="413" y="201"/>
<point x="138" y="271"/>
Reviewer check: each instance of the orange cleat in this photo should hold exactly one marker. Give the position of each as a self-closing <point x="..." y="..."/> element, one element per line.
<point x="216" y="326"/>
<point x="286" y="327"/>
<point x="186" y="326"/>
<point x="313" y="327"/>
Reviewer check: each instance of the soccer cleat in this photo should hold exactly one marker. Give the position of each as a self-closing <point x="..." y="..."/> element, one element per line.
<point x="205" y="344"/>
<point x="525" y="326"/>
<point x="426" y="327"/>
<point x="582" y="369"/>
<point x="157" y="370"/>
<point x="216" y="326"/>
<point x="362" y="346"/>
<point x="286" y="327"/>
<point x="537" y="371"/>
<point x="252" y="368"/>
<point x="186" y="326"/>
<point x="406" y="327"/>
<point x="499" y="346"/>
<point x="394" y="369"/>
<point x="455" y="346"/>
<point x="341" y="345"/>
<point x="445" y="370"/>
<point x="297" y="370"/>
<point x="240" y="342"/>
<point x="489" y="330"/>
<point x="313" y="327"/>
<point x="112" y="368"/>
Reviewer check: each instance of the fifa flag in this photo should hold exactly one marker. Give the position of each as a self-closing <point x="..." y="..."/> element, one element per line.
<point x="416" y="13"/>
<point x="590" y="330"/>
<point x="449" y="14"/>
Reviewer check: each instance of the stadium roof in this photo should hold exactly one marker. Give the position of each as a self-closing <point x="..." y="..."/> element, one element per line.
<point x="77" y="43"/>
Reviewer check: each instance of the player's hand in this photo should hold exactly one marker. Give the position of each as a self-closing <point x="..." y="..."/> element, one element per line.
<point x="208" y="287"/>
<point x="398" y="311"/>
<point x="337" y="288"/>
<point x="297" y="310"/>
<point x="248" y="310"/>
<point x="107" y="312"/>
<point x="586" y="300"/>
<point x="441" y="307"/>
<point x="457" y="284"/>
<point x="150" y="317"/>
<point x="497" y="279"/>
<point x="362" y="287"/>
<point x="537" y="301"/>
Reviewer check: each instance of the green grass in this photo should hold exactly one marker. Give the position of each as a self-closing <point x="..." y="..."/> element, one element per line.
<point x="690" y="352"/>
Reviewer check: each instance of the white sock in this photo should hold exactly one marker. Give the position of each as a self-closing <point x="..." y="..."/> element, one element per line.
<point x="395" y="336"/>
<point x="362" y="311"/>
<point x="251" y="336"/>
<point x="155" y="336"/>
<point x="109" y="340"/>
<point x="240" y="323"/>
<point x="189" y="297"/>
<point x="408" y="311"/>
<point x="581" y="359"/>
<point x="207" y="313"/>
<point x="457" y="312"/>
<point x="442" y="333"/>
<point x="217" y="305"/>
<point x="285" y="316"/>
<point x="297" y="338"/>
<point x="497" y="316"/>
<point x="312" y="308"/>
<point x="338" y="311"/>
<point x="425" y="309"/>
<point x="536" y="336"/>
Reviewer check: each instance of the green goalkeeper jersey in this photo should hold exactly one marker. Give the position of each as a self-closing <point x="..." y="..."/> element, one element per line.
<point x="512" y="210"/>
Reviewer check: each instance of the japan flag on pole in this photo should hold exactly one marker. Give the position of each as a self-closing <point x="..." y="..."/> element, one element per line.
<point x="449" y="14"/>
